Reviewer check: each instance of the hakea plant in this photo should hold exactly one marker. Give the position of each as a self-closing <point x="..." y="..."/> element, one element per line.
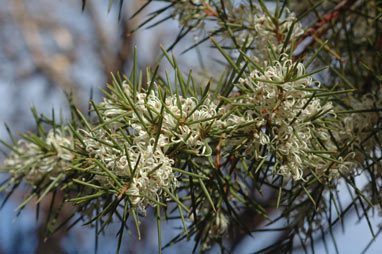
<point x="210" y="149"/>
<point x="37" y="159"/>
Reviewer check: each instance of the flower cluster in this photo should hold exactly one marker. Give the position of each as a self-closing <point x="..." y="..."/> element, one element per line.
<point x="156" y="128"/>
<point x="35" y="163"/>
<point x="358" y="130"/>
<point x="260" y="29"/>
<point x="274" y="32"/>
<point x="249" y="24"/>
<point x="182" y="121"/>
<point x="148" y="170"/>
<point x="191" y="12"/>
<point x="281" y="112"/>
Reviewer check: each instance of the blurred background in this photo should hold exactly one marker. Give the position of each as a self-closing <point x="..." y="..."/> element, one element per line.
<point x="51" y="47"/>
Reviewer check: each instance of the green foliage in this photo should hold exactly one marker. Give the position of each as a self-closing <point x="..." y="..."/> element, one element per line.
<point x="207" y="153"/>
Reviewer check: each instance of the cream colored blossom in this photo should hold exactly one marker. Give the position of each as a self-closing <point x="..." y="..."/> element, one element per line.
<point x="34" y="163"/>
<point x="149" y="170"/>
<point x="280" y="109"/>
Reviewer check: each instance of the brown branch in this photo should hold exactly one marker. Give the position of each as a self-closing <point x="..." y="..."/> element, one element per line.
<point x="218" y="152"/>
<point x="338" y="10"/>
<point x="113" y="57"/>
<point x="55" y="67"/>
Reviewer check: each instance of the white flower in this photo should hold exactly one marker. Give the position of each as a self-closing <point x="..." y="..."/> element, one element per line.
<point x="184" y="120"/>
<point x="34" y="163"/>
<point x="356" y="129"/>
<point x="149" y="170"/>
<point x="59" y="143"/>
<point x="133" y="193"/>
<point x="277" y="116"/>
<point x="265" y="31"/>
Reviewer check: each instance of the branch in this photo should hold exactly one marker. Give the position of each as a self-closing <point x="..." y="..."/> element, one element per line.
<point x="338" y="10"/>
<point x="54" y="67"/>
<point x="113" y="58"/>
